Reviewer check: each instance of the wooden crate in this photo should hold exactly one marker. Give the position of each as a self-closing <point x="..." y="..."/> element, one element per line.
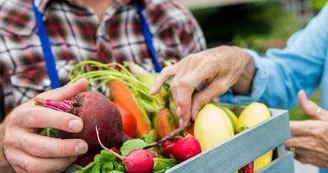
<point x="244" y="148"/>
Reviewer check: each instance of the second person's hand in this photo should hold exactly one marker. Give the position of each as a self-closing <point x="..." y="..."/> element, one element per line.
<point x="220" y="68"/>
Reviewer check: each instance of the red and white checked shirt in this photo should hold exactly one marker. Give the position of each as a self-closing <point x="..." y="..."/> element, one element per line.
<point x="77" y="34"/>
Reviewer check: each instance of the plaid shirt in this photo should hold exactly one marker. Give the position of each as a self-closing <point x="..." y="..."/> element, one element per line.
<point x="77" y="34"/>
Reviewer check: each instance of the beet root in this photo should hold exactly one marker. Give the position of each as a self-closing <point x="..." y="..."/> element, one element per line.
<point x="186" y="148"/>
<point x="94" y="109"/>
<point x="139" y="161"/>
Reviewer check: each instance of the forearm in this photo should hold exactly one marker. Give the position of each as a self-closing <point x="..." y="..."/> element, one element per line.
<point x="4" y="165"/>
<point x="244" y="85"/>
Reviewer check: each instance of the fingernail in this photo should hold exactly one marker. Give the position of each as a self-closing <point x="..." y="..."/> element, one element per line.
<point x="181" y="123"/>
<point x="81" y="148"/>
<point x="75" y="125"/>
<point x="179" y="112"/>
<point x="303" y="92"/>
<point x="194" y="115"/>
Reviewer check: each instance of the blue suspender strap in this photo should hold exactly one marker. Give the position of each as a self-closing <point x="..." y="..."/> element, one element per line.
<point x="46" y="48"/>
<point x="148" y="37"/>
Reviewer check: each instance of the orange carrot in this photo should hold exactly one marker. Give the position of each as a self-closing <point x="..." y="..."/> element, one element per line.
<point x="165" y="123"/>
<point x="122" y="93"/>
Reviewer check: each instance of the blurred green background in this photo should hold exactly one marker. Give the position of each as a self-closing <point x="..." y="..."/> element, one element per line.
<point x="259" y="26"/>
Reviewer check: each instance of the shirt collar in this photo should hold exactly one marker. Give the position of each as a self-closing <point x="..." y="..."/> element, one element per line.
<point x="41" y="4"/>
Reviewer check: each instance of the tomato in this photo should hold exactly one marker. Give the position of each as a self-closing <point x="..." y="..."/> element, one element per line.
<point x="128" y="120"/>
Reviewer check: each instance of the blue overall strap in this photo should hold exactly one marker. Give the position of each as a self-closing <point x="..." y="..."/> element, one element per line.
<point x="148" y="37"/>
<point x="46" y="48"/>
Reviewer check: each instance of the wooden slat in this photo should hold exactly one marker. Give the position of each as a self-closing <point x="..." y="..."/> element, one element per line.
<point x="241" y="149"/>
<point x="283" y="164"/>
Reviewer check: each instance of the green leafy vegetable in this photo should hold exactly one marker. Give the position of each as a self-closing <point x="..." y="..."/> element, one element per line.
<point x="132" y="145"/>
<point x="163" y="164"/>
<point x="105" y="156"/>
<point x="96" y="169"/>
<point x="104" y="162"/>
<point x="120" y="167"/>
<point x="115" y="171"/>
<point x="149" y="137"/>
<point x="107" y="167"/>
<point x="50" y="132"/>
<point x="88" y="168"/>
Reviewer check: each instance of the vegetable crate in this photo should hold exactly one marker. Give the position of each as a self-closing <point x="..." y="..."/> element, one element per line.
<point x="242" y="149"/>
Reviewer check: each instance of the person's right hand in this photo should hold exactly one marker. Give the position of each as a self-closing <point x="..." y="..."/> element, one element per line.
<point x="220" y="68"/>
<point x="29" y="152"/>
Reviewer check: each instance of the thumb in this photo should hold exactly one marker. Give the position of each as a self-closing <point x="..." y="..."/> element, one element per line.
<point x="206" y="95"/>
<point x="67" y="91"/>
<point x="311" y="108"/>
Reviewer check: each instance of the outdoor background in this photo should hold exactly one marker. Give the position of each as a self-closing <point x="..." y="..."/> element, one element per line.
<point x="256" y="24"/>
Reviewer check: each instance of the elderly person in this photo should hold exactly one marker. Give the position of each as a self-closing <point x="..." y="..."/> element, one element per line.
<point x="241" y="76"/>
<point x="40" y="40"/>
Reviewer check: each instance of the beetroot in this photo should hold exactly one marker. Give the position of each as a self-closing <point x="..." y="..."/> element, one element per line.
<point x="139" y="161"/>
<point x="95" y="110"/>
<point x="186" y="148"/>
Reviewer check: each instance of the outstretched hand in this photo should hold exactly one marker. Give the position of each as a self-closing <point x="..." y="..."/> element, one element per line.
<point x="310" y="138"/>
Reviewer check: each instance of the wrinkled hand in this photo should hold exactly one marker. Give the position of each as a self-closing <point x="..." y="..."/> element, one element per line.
<point x="219" y="68"/>
<point x="310" y="138"/>
<point x="28" y="151"/>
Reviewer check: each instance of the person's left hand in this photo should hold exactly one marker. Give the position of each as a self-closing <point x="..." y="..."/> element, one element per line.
<point x="310" y="138"/>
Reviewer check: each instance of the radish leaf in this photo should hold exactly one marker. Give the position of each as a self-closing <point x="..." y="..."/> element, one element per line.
<point x="163" y="164"/>
<point x="115" y="171"/>
<point x="130" y="145"/>
<point x="149" y="137"/>
<point x="107" y="167"/>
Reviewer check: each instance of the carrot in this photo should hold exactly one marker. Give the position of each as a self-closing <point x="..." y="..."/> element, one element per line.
<point x="121" y="92"/>
<point x="165" y="123"/>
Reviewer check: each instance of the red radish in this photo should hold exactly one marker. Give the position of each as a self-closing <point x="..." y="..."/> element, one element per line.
<point x="137" y="161"/>
<point x="168" y="147"/>
<point x="94" y="109"/>
<point x="128" y="120"/>
<point x="186" y="148"/>
<point x="153" y="153"/>
<point x="249" y="168"/>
